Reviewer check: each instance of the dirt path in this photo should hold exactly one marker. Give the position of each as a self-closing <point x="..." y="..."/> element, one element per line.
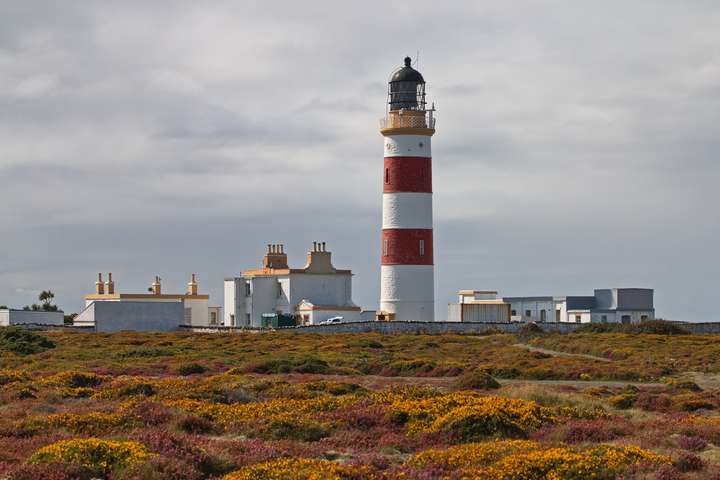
<point x="556" y="353"/>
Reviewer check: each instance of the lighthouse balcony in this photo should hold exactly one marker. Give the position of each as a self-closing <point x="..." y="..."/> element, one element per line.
<point x="420" y="121"/>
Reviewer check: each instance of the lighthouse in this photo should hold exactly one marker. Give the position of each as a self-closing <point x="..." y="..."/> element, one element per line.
<point x="406" y="278"/>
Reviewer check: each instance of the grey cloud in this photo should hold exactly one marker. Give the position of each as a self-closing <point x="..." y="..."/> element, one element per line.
<point x="575" y="146"/>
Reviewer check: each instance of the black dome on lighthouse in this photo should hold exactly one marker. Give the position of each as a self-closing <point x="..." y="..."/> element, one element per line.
<point x="407" y="74"/>
<point x="406" y="89"/>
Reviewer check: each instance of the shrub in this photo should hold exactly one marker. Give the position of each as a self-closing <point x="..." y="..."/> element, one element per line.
<point x="138" y="389"/>
<point x="238" y="395"/>
<point x="191" y="369"/>
<point x="656" y="327"/>
<point x="73" y="379"/>
<point x="161" y="468"/>
<point x="603" y="462"/>
<point x="52" y="471"/>
<point x="8" y="376"/>
<point x="653" y="403"/>
<point x="476" y="379"/>
<point x="151" y="413"/>
<point x="596" y="431"/>
<point x="194" y="424"/>
<point x="623" y="401"/>
<point x="296" y="468"/>
<point x="692" y="443"/>
<point x="293" y="429"/>
<point x="528" y="331"/>
<point x="290" y="364"/>
<point x="688" y="462"/>
<point x="98" y="456"/>
<point x="22" y="341"/>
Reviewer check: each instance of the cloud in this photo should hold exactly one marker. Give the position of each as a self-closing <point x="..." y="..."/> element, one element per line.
<point x="575" y="147"/>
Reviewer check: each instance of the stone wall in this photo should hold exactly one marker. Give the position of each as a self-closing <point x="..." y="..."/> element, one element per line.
<point x="445" y="327"/>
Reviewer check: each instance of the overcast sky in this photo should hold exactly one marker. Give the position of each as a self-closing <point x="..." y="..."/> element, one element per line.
<point x="576" y="147"/>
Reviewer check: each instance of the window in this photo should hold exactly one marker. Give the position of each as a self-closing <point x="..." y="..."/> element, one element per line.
<point x="232" y="320"/>
<point x="247" y="289"/>
<point x="279" y="290"/>
<point x="603" y="318"/>
<point x="528" y="313"/>
<point x="385" y="247"/>
<point x="557" y="315"/>
<point x="387" y="175"/>
<point x="213" y="318"/>
<point x="188" y="316"/>
<point x="542" y="315"/>
<point x="247" y="319"/>
<point x="643" y="318"/>
<point x="513" y="313"/>
<point x="625" y="319"/>
<point x="578" y="319"/>
<point x="422" y="248"/>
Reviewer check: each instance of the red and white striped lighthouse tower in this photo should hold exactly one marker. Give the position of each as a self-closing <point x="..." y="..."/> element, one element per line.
<point x="407" y="280"/>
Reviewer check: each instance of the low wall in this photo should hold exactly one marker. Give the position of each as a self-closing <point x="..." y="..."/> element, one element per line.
<point x="404" y="327"/>
<point x="439" y="327"/>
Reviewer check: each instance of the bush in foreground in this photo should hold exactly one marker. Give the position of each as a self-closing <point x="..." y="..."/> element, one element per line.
<point x="93" y="454"/>
<point x="23" y="341"/>
<point x="476" y="380"/>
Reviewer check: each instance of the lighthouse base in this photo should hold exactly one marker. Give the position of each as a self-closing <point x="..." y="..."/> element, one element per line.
<point x="407" y="292"/>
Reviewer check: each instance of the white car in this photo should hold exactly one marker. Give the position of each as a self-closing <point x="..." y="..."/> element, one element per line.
<point x="332" y="320"/>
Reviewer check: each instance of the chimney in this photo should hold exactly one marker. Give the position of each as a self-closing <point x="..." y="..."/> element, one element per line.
<point x="275" y="257"/>
<point x="192" y="287"/>
<point x="155" y="286"/>
<point x="99" y="286"/>
<point x="319" y="260"/>
<point x="110" y="285"/>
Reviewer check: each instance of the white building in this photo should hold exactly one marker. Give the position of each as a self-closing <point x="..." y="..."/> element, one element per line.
<point x="107" y="310"/>
<point x="479" y="306"/>
<point x="9" y="317"/>
<point x="314" y="293"/>
<point x="613" y="305"/>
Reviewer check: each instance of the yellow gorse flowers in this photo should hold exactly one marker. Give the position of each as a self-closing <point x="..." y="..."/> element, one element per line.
<point x="100" y="456"/>
<point x="297" y="468"/>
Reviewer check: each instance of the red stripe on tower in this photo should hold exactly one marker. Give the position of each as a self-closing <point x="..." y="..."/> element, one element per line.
<point x="407" y="246"/>
<point x="408" y="174"/>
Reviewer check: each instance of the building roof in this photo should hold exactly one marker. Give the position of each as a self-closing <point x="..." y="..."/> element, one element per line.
<point x="274" y="272"/>
<point x="145" y="296"/>
<point x="485" y="302"/>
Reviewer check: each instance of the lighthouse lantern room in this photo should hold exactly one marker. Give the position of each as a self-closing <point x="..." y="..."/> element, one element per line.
<point x="407" y="280"/>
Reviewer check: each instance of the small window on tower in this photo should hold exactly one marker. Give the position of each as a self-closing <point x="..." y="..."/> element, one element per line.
<point x="422" y="248"/>
<point x="387" y="175"/>
<point x="385" y="247"/>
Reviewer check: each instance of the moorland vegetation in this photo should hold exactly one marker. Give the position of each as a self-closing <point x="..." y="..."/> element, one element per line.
<point x="599" y="405"/>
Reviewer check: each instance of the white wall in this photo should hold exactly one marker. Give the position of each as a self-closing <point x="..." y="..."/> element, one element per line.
<point x="535" y="307"/>
<point x="199" y="311"/>
<point x="27" y="317"/>
<point x="230" y="291"/>
<point x="584" y="315"/>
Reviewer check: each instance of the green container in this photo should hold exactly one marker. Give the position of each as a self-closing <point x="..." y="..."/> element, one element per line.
<point x="278" y="320"/>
